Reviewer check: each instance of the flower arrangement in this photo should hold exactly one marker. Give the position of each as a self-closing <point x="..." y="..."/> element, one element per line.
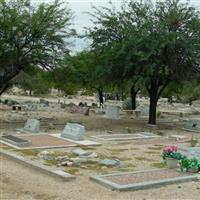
<point x="171" y="152"/>
<point x="188" y="164"/>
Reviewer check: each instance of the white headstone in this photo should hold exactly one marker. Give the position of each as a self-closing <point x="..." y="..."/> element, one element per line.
<point x="32" y="125"/>
<point x="73" y="131"/>
<point x="144" y="111"/>
<point x="194" y="152"/>
<point x="193" y="124"/>
<point x="112" y="112"/>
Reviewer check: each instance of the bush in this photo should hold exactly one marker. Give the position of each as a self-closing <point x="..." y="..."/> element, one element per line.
<point x="127" y="104"/>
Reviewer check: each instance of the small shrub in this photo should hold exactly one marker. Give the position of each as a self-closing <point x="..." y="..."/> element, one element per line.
<point x="127" y="104"/>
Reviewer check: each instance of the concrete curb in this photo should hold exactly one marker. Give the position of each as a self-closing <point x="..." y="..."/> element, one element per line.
<point x="143" y="185"/>
<point x="191" y="130"/>
<point x="43" y="169"/>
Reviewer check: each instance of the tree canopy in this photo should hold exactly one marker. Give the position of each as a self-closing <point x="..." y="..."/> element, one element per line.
<point x="31" y="36"/>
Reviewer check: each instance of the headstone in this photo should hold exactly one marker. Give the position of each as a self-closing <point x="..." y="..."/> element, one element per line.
<point x="193" y="124"/>
<point x="73" y="131"/>
<point x="112" y="112"/>
<point x="144" y="111"/>
<point x="32" y="125"/>
<point x="194" y="152"/>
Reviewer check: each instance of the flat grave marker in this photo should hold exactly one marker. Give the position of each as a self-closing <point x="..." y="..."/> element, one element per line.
<point x="16" y="140"/>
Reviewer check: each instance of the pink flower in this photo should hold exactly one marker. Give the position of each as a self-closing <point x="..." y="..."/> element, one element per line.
<point x="170" y="149"/>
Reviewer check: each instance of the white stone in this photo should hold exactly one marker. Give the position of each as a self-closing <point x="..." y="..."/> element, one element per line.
<point x="32" y="125"/>
<point x="73" y="131"/>
<point x="193" y="124"/>
<point x="80" y="152"/>
<point x="112" y="112"/>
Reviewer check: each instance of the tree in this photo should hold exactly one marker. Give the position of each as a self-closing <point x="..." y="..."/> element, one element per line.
<point x="114" y="33"/>
<point x="31" y="36"/>
<point x="161" y="39"/>
<point x="34" y="83"/>
<point x="171" y="47"/>
<point x="89" y="71"/>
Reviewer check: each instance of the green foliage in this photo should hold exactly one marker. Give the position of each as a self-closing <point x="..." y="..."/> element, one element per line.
<point x="186" y="164"/>
<point x="155" y="44"/>
<point x="127" y="104"/>
<point x="31" y="36"/>
<point x="33" y="83"/>
<point x="175" y="155"/>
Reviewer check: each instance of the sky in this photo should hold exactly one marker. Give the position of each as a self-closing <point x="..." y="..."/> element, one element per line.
<point x="82" y="19"/>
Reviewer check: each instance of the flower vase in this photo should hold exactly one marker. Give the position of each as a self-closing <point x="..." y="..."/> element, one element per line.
<point x="171" y="163"/>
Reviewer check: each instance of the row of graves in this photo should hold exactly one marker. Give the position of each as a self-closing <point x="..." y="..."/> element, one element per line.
<point x="182" y="161"/>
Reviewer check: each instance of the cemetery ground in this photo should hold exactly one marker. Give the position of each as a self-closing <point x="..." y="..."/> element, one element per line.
<point x="22" y="182"/>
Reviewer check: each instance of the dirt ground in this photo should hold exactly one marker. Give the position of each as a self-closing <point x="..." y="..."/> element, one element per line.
<point x="22" y="183"/>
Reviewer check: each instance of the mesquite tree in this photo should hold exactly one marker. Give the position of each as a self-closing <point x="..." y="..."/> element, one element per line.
<point x="31" y="36"/>
<point x="170" y="43"/>
<point x="161" y="39"/>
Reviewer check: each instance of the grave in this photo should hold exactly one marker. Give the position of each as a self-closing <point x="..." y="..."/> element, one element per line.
<point x="194" y="152"/>
<point x="144" y="111"/>
<point x="126" y="136"/>
<point x="32" y="125"/>
<point x="41" y="142"/>
<point x="73" y="131"/>
<point x="143" y="179"/>
<point x="112" y="112"/>
<point x="190" y="152"/>
<point x="193" y="125"/>
<point x="16" y="140"/>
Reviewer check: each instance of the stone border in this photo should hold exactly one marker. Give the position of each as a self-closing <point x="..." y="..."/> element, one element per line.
<point x="43" y="169"/>
<point x="191" y="130"/>
<point x="143" y="185"/>
<point x="43" y="147"/>
<point x="133" y="136"/>
<point x="81" y="142"/>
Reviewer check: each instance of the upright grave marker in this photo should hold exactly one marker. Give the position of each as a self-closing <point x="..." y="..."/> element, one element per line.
<point x="112" y="112"/>
<point x="32" y="125"/>
<point x="73" y="131"/>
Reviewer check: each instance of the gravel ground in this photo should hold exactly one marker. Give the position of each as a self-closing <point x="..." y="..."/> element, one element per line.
<point x="18" y="182"/>
<point x="22" y="183"/>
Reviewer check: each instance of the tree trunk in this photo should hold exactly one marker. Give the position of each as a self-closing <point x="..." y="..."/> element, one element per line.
<point x="30" y="92"/>
<point x="133" y="97"/>
<point x="153" y="106"/>
<point x="3" y="88"/>
<point x="117" y="97"/>
<point x="100" y="93"/>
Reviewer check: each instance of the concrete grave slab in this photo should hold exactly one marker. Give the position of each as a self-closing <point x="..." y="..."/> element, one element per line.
<point x="73" y="131"/>
<point x="143" y="179"/>
<point x="126" y="136"/>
